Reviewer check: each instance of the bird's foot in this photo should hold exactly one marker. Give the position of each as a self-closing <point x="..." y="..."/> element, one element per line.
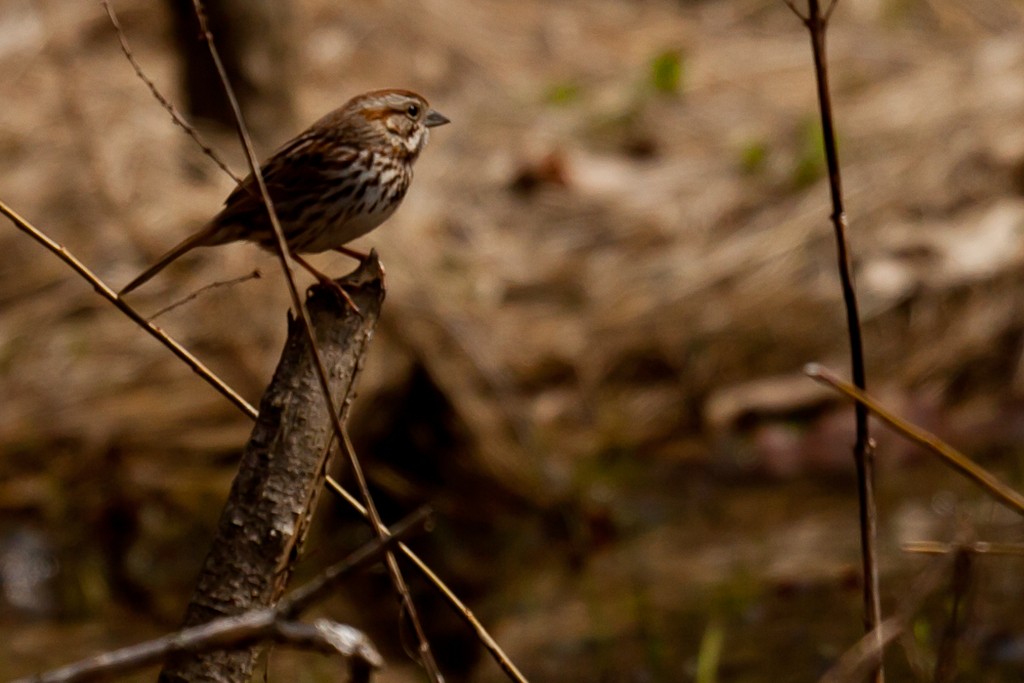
<point x="340" y="291"/>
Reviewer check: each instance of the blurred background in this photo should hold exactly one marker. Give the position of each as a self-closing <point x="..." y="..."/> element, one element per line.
<point x="602" y="288"/>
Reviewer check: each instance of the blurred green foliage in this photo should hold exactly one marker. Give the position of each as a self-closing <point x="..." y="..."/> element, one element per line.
<point x="710" y="653"/>
<point x="563" y="93"/>
<point x="810" y="160"/>
<point x="754" y="157"/>
<point x="666" y="75"/>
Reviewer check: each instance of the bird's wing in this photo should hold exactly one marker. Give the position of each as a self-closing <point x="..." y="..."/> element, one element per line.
<point x="296" y="170"/>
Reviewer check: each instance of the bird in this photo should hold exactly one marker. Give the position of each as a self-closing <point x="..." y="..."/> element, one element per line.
<point x="338" y="180"/>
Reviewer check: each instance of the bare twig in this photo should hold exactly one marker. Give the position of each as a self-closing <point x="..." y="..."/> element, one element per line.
<point x="866" y="655"/>
<point x="164" y="102"/>
<point x="828" y="12"/>
<point x="977" y="547"/>
<point x="254" y="275"/>
<point x="285" y="257"/>
<point x="244" y="630"/>
<point x="460" y="607"/>
<point x="945" y="666"/>
<point x="220" y="385"/>
<point x="225" y="390"/>
<point x="107" y="293"/>
<point x="301" y="599"/>
<point x="275" y="623"/>
<point x="801" y="17"/>
<point x="864" y="447"/>
<point x="864" y="658"/>
<point x="951" y="456"/>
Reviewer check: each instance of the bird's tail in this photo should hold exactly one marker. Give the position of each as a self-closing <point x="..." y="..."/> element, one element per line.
<point x="199" y="239"/>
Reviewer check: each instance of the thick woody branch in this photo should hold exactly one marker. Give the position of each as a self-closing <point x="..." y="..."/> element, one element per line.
<point x="235" y="398"/>
<point x="281" y="475"/>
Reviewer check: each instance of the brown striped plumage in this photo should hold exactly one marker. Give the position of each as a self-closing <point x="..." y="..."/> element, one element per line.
<point x="333" y="183"/>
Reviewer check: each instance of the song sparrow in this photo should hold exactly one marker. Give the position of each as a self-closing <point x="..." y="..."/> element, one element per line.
<point x="333" y="183"/>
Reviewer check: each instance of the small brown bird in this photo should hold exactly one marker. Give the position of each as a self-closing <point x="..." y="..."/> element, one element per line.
<point x="333" y="183"/>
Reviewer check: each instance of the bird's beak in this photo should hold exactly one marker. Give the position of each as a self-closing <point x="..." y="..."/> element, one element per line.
<point x="435" y="118"/>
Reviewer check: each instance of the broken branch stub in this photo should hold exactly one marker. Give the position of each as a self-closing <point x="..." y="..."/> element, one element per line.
<point x="264" y="523"/>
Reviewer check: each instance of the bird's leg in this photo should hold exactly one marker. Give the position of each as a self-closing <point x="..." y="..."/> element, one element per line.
<point x="328" y="282"/>
<point x="357" y="255"/>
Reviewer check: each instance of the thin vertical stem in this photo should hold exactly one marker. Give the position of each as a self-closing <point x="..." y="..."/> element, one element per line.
<point x="863" y="450"/>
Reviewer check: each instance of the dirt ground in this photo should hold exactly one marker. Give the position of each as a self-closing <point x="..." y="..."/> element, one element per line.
<point x="601" y="291"/>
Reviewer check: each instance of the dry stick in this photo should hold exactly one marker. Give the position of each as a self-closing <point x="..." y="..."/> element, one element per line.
<point x="285" y="256"/>
<point x="243" y="630"/>
<point x="273" y="623"/>
<point x="951" y="456"/>
<point x="864" y="448"/>
<point x="177" y="117"/>
<point x="218" y="384"/>
<point x="959" y="610"/>
<point x="304" y="597"/>
<point x="977" y="547"/>
<point x="254" y="275"/>
<point x="492" y="646"/>
<point x="866" y="654"/>
<point x="225" y="390"/>
<point x="107" y="293"/>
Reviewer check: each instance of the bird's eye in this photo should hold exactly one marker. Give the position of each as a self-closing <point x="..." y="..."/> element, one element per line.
<point x="413" y="111"/>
